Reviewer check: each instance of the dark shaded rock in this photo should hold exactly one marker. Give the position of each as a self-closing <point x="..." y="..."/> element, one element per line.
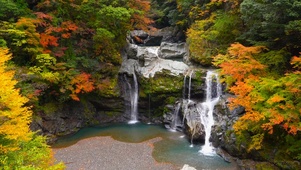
<point x="155" y="36"/>
<point x="153" y="41"/>
<point x="139" y="33"/>
<point x="173" y="119"/>
<point x="68" y="118"/>
<point x="222" y="153"/>
<point x="131" y="51"/>
<point x="169" y="34"/>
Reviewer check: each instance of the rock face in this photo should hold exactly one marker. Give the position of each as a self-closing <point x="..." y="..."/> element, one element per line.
<point x="157" y="60"/>
<point x="69" y="117"/>
<point x="159" y="81"/>
<point x="155" y="37"/>
<point x="147" y="61"/>
<point x="173" y="51"/>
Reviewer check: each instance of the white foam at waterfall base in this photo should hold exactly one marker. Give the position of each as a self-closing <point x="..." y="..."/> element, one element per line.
<point x="206" y="108"/>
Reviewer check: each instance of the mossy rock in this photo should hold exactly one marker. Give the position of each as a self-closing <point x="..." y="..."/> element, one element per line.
<point x="162" y="89"/>
<point x="162" y="82"/>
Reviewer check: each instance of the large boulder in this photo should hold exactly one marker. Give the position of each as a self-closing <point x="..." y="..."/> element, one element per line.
<point x="131" y="51"/>
<point x="192" y="122"/>
<point x="128" y="66"/>
<point x="176" y="51"/>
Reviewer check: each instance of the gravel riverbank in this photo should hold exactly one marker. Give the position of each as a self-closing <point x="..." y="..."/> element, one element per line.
<point x="105" y="153"/>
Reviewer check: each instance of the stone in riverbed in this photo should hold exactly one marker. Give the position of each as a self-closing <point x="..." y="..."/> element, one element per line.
<point x="187" y="167"/>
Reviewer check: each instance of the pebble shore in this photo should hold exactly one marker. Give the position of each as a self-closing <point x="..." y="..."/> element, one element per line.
<point x="105" y="153"/>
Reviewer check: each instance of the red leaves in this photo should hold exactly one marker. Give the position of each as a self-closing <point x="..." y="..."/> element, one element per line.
<point x="51" y="34"/>
<point x="81" y="83"/>
<point x="47" y="40"/>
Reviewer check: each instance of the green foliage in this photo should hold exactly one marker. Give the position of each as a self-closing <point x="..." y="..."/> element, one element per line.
<point x="10" y="10"/>
<point x="211" y="36"/>
<point x="45" y="61"/>
<point x="277" y="61"/>
<point x="272" y="104"/>
<point x="272" y="23"/>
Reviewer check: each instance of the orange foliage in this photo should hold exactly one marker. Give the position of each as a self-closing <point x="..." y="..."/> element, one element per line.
<point x="240" y="63"/>
<point x="47" y="40"/>
<point x="296" y="62"/>
<point x="140" y="20"/>
<point x="81" y="83"/>
<point x="50" y="34"/>
<point x="28" y="25"/>
<point x="275" y="99"/>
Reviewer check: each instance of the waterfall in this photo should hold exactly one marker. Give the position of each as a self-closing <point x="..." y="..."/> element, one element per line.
<point x="133" y="94"/>
<point x="184" y="87"/>
<point x="175" y="122"/>
<point x="189" y="85"/>
<point x="205" y="109"/>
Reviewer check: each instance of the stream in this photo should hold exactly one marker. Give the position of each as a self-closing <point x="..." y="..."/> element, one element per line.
<point x="174" y="148"/>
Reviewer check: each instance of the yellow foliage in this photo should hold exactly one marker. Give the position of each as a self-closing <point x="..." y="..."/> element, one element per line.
<point x="20" y="148"/>
<point x="14" y="116"/>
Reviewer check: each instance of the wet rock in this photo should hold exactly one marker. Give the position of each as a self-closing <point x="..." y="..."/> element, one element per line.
<point x="193" y="126"/>
<point x="222" y="153"/>
<point x="71" y="116"/>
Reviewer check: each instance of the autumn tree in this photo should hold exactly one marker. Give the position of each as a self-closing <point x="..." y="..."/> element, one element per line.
<point x="272" y="104"/>
<point x="19" y="147"/>
<point x="217" y="26"/>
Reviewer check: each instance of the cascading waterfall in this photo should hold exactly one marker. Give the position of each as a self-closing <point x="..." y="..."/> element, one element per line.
<point x="176" y="120"/>
<point x="189" y="85"/>
<point x="205" y="109"/>
<point x="186" y="103"/>
<point x="184" y="87"/>
<point x="133" y="91"/>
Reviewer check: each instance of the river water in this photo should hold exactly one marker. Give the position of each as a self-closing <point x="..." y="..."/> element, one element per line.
<point x="173" y="148"/>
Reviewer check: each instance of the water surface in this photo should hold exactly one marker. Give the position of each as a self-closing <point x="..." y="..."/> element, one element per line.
<point x="173" y="147"/>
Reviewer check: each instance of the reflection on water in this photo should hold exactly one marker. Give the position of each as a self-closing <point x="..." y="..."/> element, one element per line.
<point x="173" y="147"/>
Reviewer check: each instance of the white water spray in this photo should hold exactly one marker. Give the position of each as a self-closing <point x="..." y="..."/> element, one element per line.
<point x="205" y="109"/>
<point x="134" y="100"/>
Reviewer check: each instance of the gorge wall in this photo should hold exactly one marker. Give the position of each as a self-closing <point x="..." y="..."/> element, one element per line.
<point x="170" y="89"/>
